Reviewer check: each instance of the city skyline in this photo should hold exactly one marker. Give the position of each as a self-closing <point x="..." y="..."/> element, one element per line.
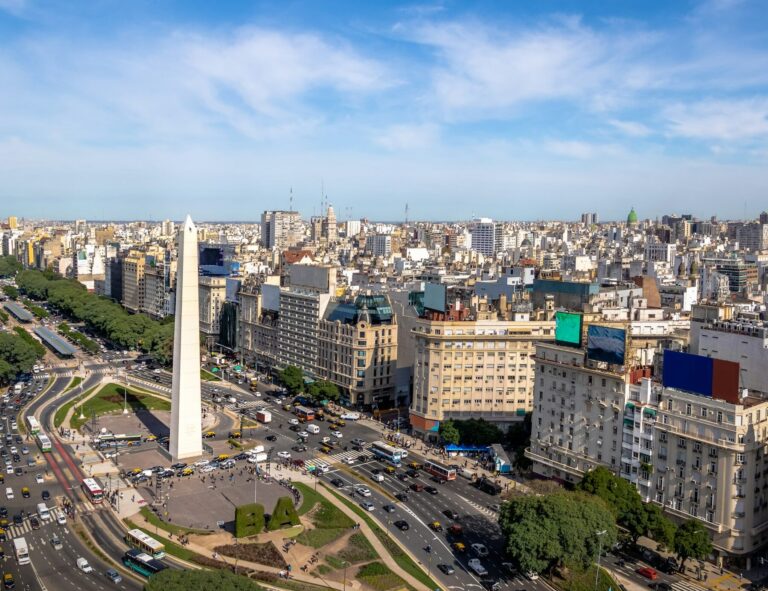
<point x="153" y="110"/>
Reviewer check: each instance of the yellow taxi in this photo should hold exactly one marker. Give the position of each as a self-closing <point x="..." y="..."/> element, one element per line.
<point x="287" y="407"/>
<point x="25" y="492"/>
<point x="325" y="449"/>
<point x="414" y="465"/>
<point x="8" y="581"/>
<point x="222" y="457"/>
<point x="235" y="435"/>
<point x="4" y="523"/>
<point x="459" y="546"/>
<point x="209" y="434"/>
<point x="187" y="472"/>
<point x="390" y="469"/>
<point x="3" y="536"/>
<point x="436" y="526"/>
<point x="151" y="437"/>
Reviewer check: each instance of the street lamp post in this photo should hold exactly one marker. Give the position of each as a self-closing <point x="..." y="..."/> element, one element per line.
<point x="125" y="394"/>
<point x="599" y="535"/>
<point x="346" y="564"/>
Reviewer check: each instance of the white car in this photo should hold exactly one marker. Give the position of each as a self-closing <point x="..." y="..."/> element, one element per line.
<point x="207" y="469"/>
<point x="350" y="461"/>
<point x="362" y="491"/>
<point x="61" y="517"/>
<point x="14" y="450"/>
<point x="480" y="550"/>
<point x="293" y="421"/>
<point x="477" y="566"/>
<point x="367" y="505"/>
<point x="303" y="434"/>
<point x="9" y="469"/>
<point x="202" y="463"/>
<point x="378" y="477"/>
<point x="14" y="426"/>
<point x="350" y="416"/>
<point x="337" y="434"/>
<point x="39" y="479"/>
<point x="325" y="439"/>
<point x="286" y="455"/>
<point x="532" y="576"/>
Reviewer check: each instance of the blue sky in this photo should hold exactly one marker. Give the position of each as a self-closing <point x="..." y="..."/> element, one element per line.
<point x="514" y="110"/>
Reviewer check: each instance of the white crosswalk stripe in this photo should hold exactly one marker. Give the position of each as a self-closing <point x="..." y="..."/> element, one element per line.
<point x="337" y="457"/>
<point x="246" y="404"/>
<point x="687" y="586"/>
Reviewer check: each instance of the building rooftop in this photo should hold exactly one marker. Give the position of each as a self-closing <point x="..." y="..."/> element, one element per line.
<point x="376" y="309"/>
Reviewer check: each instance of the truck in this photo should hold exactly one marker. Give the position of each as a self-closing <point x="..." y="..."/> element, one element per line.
<point x="83" y="565"/>
<point x="257" y="457"/>
<point x="254" y="385"/>
<point x="264" y="416"/>
<point x="22" y="550"/>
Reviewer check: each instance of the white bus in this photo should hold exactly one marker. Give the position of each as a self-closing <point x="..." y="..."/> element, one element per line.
<point x="22" y="550"/>
<point x="386" y="452"/>
<point x="147" y="544"/>
<point x="44" y="442"/>
<point x="33" y="425"/>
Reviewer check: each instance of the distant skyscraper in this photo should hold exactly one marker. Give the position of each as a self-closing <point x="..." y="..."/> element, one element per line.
<point x="186" y="432"/>
<point x="13" y="223"/>
<point x="280" y="229"/>
<point x="589" y="219"/>
<point x="331" y="232"/>
<point x="485" y="237"/>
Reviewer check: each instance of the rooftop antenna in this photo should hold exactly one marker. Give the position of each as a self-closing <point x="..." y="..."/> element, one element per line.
<point x="406" y="213"/>
<point x="290" y="201"/>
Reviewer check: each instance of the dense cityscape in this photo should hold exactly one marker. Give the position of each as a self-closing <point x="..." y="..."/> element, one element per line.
<point x="383" y="296"/>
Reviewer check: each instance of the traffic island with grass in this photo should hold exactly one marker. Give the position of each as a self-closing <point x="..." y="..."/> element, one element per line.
<point x="378" y="576"/>
<point x="112" y="398"/>
<point x="265" y="553"/>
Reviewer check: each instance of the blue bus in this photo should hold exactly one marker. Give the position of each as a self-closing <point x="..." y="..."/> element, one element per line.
<point x="142" y="563"/>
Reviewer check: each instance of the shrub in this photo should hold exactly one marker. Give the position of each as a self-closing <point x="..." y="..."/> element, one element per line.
<point x="284" y="514"/>
<point x="249" y="520"/>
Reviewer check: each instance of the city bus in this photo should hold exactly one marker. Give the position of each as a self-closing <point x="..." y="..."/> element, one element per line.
<point x="93" y="490"/>
<point x="111" y="441"/>
<point x="304" y="413"/>
<point x="33" y="425"/>
<point x="142" y="563"/>
<point x="22" y="550"/>
<point x="43" y="442"/>
<point x="147" y="544"/>
<point x="439" y="470"/>
<point x="386" y="452"/>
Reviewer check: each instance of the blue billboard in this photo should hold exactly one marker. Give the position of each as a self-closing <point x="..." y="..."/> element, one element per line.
<point x="688" y="372"/>
<point x="606" y="344"/>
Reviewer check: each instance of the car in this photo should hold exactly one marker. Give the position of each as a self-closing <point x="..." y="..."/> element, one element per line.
<point x="34" y="522"/>
<point x="25" y="492"/>
<point x="337" y="482"/>
<point x="299" y="448"/>
<point x="61" y="518"/>
<point x="402" y="476"/>
<point x="271" y="438"/>
<point x="19" y="471"/>
<point x="286" y="455"/>
<point x="480" y="550"/>
<point x="402" y="496"/>
<point x="3" y="511"/>
<point x="377" y="477"/>
<point x="363" y="491"/>
<point x="367" y="505"/>
<point x="325" y="439"/>
<point x="337" y="434"/>
<point x="295" y="428"/>
<point x="113" y="576"/>
<point x="436" y="526"/>
<point x="9" y="469"/>
<point x="648" y="573"/>
<point x="412" y="473"/>
<point x="25" y="450"/>
<point x="209" y="434"/>
<point x="18" y="519"/>
<point x="83" y="565"/>
<point x="358" y="441"/>
<point x="451" y="514"/>
<point x="179" y="465"/>
<point x="431" y="490"/>
<point x="402" y="525"/>
<point x="8" y="493"/>
<point x="207" y="469"/>
<point x="46" y="495"/>
<point x="389" y="508"/>
<point x="446" y="569"/>
<point x="293" y="421"/>
<point x="8" y="581"/>
<point x="350" y="461"/>
<point x="459" y="546"/>
<point x="31" y="462"/>
<point x="303" y="434"/>
<point x="661" y="586"/>
<point x="16" y="458"/>
<point x="416" y="487"/>
<point x="477" y="566"/>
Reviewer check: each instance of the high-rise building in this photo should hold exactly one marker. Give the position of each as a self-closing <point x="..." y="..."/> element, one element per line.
<point x="471" y="363"/>
<point x="331" y="231"/>
<point x="133" y="281"/>
<point x="753" y="237"/>
<point x="13" y="222"/>
<point x="379" y="245"/>
<point x="486" y="236"/>
<point x="212" y="297"/>
<point x="186" y="410"/>
<point x="589" y="219"/>
<point x="280" y="229"/>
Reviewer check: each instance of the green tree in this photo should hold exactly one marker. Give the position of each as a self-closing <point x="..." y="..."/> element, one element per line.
<point x="692" y="541"/>
<point x="324" y="390"/>
<point x="9" y="266"/>
<point x="660" y="528"/>
<point x="548" y="531"/>
<point x="199" y="580"/>
<point x="284" y="514"/>
<point x="478" y="432"/>
<point x="621" y="496"/>
<point x="249" y="520"/>
<point x="17" y="354"/>
<point x="448" y="432"/>
<point x="292" y="378"/>
<point x="11" y="291"/>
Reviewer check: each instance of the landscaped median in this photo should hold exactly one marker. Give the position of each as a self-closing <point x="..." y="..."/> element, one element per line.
<point x="61" y="412"/>
<point x="112" y="398"/>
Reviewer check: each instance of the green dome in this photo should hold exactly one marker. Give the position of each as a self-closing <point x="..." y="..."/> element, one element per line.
<point x="632" y="217"/>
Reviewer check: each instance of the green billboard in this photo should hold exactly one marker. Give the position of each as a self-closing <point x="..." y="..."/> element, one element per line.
<point x="568" y="328"/>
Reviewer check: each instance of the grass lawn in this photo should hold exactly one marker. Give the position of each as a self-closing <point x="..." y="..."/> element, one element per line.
<point x="74" y="383"/>
<point x="357" y="550"/>
<point x="336" y="563"/>
<point x="322" y="569"/>
<point x="309" y="498"/>
<point x="378" y="576"/>
<point x="111" y="399"/>
<point x="403" y="560"/>
<point x="147" y="514"/>
<point x="208" y="376"/>
<point x="319" y="537"/>
<point x="584" y="580"/>
<point x="61" y="412"/>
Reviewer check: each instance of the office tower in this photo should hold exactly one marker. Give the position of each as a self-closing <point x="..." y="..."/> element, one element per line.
<point x="280" y="229"/>
<point x="186" y="432"/>
<point x="486" y="236"/>
<point x="379" y="245"/>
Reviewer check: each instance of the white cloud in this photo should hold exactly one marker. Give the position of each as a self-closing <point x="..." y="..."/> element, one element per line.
<point x="631" y="128"/>
<point x="408" y="137"/>
<point x="15" y="7"/>
<point x="579" y="149"/>
<point x="742" y="119"/>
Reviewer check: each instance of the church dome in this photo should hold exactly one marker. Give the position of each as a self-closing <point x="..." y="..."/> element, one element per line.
<point x="632" y="217"/>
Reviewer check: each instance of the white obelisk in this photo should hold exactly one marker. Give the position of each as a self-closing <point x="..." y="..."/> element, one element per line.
<point x="186" y="432"/>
